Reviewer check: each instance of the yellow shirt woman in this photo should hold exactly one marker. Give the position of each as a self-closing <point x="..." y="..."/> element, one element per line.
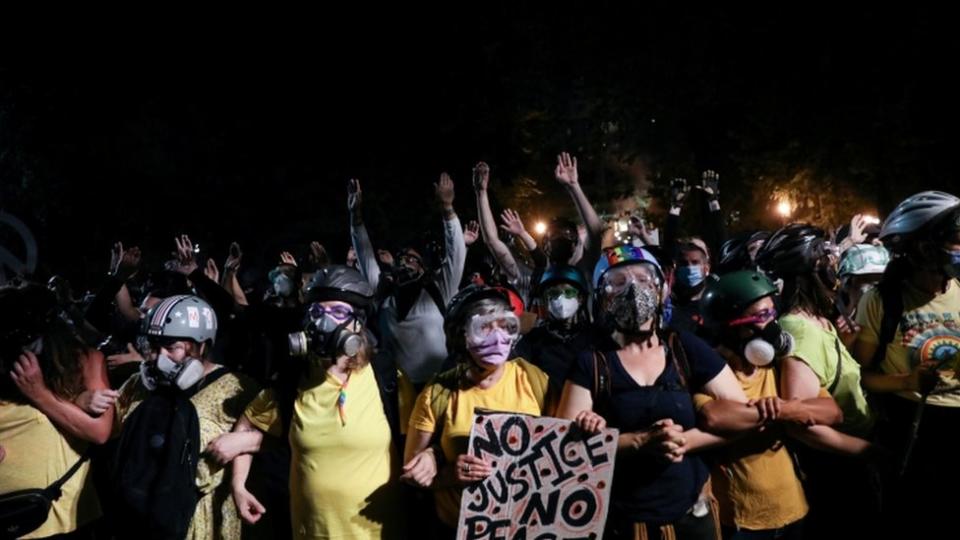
<point x="37" y="455"/>
<point x="343" y="468"/>
<point x="513" y="393"/>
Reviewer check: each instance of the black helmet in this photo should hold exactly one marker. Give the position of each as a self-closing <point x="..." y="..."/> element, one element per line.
<point x="726" y="296"/>
<point x="735" y="252"/>
<point x="915" y="214"/>
<point x="341" y="283"/>
<point x="793" y="250"/>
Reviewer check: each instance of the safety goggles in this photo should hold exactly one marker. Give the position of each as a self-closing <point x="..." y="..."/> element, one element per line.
<point x="760" y="317"/>
<point x="481" y="326"/>
<point x="339" y="313"/>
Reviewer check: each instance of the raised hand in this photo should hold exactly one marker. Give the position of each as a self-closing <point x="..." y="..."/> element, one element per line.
<point x="857" y="226"/>
<point x="132" y="355"/>
<point x="211" y="270"/>
<point x="481" y="177"/>
<point x="185" y="263"/>
<point x="444" y="190"/>
<point x="354" y="195"/>
<point x="512" y="223"/>
<point x="287" y="258"/>
<point x="124" y="263"/>
<point x="678" y="191"/>
<point x="471" y="232"/>
<point x="711" y="184"/>
<point x="566" y="171"/>
<point x="234" y="257"/>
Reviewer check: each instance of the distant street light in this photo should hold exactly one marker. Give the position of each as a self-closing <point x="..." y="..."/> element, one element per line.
<point x="783" y="208"/>
<point x="540" y="228"/>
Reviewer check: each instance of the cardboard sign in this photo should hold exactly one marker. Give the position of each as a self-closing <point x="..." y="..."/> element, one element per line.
<point x="549" y="480"/>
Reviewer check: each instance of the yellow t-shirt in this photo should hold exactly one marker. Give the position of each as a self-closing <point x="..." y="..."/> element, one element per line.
<point x="929" y="329"/>
<point x="39" y="455"/>
<point x="343" y="475"/>
<point x="753" y="479"/>
<point x="512" y="393"/>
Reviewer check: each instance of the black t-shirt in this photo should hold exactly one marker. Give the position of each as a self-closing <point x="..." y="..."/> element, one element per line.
<point x="686" y="317"/>
<point x="553" y="353"/>
<point x="645" y="488"/>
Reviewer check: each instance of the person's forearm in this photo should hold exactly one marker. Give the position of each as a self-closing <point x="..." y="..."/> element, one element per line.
<point x="488" y="230"/>
<point x="252" y="437"/>
<point x="528" y="241"/>
<point x="882" y="383"/>
<point x="125" y="304"/>
<point x="219" y="299"/>
<point x="587" y="214"/>
<point x="75" y="421"/>
<point x="701" y="440"/>
<point x="830" y="440"/>
<point x="812" y="412"/>
<point x="240" y="470"/>
<point x="232" y="286"/>
<point x="723" y="415"/>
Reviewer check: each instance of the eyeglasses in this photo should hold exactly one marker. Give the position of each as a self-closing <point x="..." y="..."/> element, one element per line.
<point x="561" y="291"/>
<point x="339" y="313"/>
<point x="760" y="317"/>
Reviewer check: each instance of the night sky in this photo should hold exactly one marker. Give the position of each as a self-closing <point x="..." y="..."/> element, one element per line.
<point x="250" y="131"/>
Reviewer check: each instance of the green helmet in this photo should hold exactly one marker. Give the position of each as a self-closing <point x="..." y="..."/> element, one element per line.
<point x="726" y="296"/>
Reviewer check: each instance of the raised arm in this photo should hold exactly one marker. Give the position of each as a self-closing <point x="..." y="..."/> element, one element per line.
<point x="488" y="225"/>
<point x="456" y="250"/>
<point x="366" y="256"/>
<point x="64" y="413"/>
<point x="566" y="173"/>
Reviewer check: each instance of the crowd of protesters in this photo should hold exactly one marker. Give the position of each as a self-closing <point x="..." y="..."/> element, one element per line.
<point x="797" y="383"/>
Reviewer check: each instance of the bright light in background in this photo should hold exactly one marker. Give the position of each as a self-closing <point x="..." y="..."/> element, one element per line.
<point x="871" y="220"/>
<point x="540" y="228"/>
<point x="783" y="208"/>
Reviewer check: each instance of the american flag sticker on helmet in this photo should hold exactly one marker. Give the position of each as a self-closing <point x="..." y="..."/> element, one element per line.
<point x="193" y="317"/>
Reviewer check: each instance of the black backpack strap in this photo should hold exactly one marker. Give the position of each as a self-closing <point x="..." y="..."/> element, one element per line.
<point x="602" y="387"/>
<point x="678" y="355"/>
<point x="53" y="491"/>
<point x="892" y="302"/>
<point x="206" y="381"/>
<point x="836" y="378"/>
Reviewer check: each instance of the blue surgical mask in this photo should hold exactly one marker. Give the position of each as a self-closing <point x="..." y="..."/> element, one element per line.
<point x="688" y="276"/>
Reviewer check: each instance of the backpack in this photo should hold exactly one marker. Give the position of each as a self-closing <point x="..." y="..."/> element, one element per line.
<point x="155" y="467"/>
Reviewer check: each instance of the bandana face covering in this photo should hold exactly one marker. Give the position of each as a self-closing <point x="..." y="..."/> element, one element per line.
<point x="633" y="308"/>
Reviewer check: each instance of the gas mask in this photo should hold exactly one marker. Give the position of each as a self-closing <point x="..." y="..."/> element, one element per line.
<point x="166" y="373"/>
<point x="283" y="285"/>
<point x="327" y="333"/>
<point x="766" y="344"/>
